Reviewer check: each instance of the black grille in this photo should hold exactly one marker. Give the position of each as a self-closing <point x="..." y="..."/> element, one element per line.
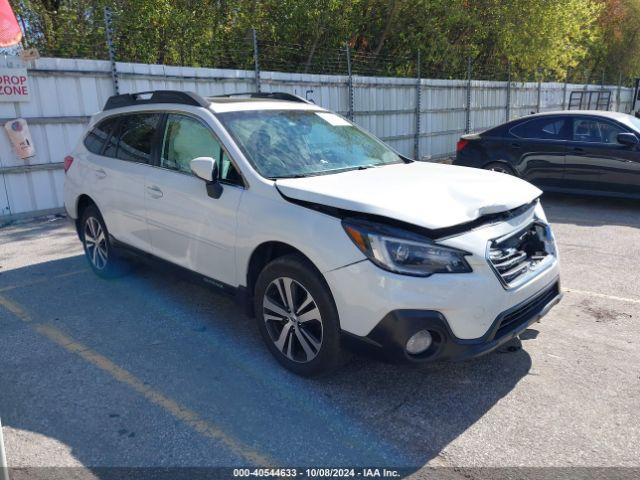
<point x="524" y="313"/>
<point x="519" y="253"/>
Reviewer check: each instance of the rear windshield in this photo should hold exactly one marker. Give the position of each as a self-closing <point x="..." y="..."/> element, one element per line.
<point x="295" y="143"/>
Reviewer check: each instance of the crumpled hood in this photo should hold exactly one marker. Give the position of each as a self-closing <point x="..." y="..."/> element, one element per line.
<point x="428" y="195"/>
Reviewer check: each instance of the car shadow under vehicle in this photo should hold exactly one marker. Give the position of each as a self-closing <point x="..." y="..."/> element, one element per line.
<point x="197" y="348"/>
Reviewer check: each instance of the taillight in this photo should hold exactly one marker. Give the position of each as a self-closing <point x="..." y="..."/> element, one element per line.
<point x="461" y="144"/>
<point x="68" y="160"/>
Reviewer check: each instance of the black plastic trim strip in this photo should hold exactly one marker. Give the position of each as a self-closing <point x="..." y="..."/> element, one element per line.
<point x="239" y="293"/>
<point x="267" y="95"/>
<point x="156" y="96"/>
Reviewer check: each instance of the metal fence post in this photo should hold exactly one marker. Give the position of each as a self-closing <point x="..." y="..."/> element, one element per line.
<point x="349" y="83"/>
<point x="467" y="127"/>
<point x="256" y="59"/>
<point x="108" y="28"/>
<point x="587" y="79"/>
<point x="539" y="102"/>
<point x="619" y="92"/>
<point x="4" y="468"/>
<point x="508" y="108"/>
<point x="564" y="92"/>
<point x="416" y="141"/>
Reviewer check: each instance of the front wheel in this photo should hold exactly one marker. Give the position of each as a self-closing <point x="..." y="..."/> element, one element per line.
<point x="297" y="317"/>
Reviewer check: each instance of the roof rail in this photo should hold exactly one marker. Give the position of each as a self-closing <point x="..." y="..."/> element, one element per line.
<point x="269" y="95"/>
<point x="155" y="96"/>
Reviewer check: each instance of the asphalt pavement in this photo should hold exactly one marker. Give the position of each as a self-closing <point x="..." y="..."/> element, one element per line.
<point x="151" y="370"/>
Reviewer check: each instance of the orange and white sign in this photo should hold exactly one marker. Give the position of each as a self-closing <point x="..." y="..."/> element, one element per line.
<point x="14" y="85"/>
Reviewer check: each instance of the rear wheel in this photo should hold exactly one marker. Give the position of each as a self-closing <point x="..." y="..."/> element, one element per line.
<point x="102" y="257"/>
<point x="297" y="317"/>
<point x="500" y="167"/>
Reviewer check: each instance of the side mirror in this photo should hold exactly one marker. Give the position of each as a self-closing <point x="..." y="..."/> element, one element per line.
<point x="206" y="168"/>
<point x="203" y="167"/>
<point x="628" y="139"/>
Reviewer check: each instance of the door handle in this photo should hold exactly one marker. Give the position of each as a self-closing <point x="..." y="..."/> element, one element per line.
<point x="515" y="145"/>
<point x="155" y="192"/>
<point x="578" y="150"/>
<point x="100" y="173"/>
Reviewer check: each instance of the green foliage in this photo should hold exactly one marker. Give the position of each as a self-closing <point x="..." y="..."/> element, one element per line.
<point x="560" y="39"/>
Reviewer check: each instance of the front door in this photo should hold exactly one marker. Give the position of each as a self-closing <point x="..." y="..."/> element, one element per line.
<point x="597" y="162"/>
<point x="187" y="227"/>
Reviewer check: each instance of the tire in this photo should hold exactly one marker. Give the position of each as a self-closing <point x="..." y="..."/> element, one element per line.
<point x="101" y="255"/>
<point x="305" y="339"/>
<point x="500" y="167"/>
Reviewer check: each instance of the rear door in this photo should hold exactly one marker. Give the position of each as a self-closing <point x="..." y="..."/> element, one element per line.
<point x="597" y="162"/>
<point x="119" y="172"/>
<point x="540" y="146"/>
<point x="121" y="154"/>
<point x="188" y="227"/>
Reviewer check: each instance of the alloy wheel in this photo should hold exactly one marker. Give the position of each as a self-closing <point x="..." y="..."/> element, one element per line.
<point x="95" y="243"/>
<point x="292" y="319"/>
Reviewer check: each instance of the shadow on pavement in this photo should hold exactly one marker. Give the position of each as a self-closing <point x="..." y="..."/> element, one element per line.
<point x="591" y="210"/>
<point x="196" y="348"/>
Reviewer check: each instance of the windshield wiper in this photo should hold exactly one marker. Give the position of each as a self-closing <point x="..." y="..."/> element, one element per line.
<point x="327" y="172"/>
<point x="365" y="167"/>
<point x="297" y="175"/>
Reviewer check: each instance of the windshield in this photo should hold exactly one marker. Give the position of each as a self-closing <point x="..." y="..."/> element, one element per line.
<point x="632" y="122"/>
<point x="298" y="143"/>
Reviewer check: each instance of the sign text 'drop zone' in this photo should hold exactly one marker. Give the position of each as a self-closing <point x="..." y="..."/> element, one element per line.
<point x="14" y="85"/>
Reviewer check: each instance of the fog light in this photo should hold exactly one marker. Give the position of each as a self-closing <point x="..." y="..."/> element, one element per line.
<point x="419" y="342"/>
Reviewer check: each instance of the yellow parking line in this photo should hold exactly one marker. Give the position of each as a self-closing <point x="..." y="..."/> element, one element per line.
<point x="602" y="295"/>
<point x="14" y="308"/>
<point x="42" y="280"/>
<point x="180" y="412"/>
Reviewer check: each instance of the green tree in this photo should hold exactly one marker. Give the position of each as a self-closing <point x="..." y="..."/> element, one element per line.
<point x="555" y="38"/>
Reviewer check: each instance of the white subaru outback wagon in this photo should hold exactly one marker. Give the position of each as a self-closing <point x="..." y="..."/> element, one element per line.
<point x="325" y="232"/>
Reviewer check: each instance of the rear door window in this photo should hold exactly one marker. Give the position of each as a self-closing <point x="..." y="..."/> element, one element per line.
<point x="542" y="129"/>
<point x="98" y="135"/>
<point x="136" y="136"/>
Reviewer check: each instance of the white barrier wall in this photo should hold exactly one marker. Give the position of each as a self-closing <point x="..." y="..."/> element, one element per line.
<point x="66" y="92"/>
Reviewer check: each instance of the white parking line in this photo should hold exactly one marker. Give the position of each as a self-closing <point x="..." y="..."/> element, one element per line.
<point x="602" y="295"/>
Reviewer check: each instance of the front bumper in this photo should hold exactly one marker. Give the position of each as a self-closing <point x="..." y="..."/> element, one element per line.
<point x="391" y="334"/>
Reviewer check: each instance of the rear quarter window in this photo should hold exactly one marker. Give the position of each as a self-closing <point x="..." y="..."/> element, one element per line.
<point x="99" y="134"/>
<point x="499" y="131"/>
